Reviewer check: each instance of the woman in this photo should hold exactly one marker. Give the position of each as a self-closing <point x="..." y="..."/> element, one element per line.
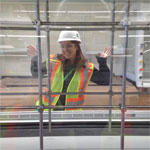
<point x="70" y="72"/>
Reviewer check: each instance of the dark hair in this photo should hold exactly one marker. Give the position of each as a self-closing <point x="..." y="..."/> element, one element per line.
<point x="79" y="60"/>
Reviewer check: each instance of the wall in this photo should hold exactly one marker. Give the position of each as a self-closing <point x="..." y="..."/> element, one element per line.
<point x="92" y="41"/>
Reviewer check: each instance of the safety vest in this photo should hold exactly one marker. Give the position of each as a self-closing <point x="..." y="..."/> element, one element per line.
<point x="78" y="83"/>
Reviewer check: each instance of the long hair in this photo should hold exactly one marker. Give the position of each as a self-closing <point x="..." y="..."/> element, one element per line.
<point x="79" y="59"/>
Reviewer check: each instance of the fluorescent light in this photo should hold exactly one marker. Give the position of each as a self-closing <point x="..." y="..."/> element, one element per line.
<point x="68" y="27"/>
<point x="24" y="11"/>
<point x="133" y="11"/>
<point x="101" y="17"/>
<point x="74" y="12"/>
<point x="23" y="36"/>
<point x="89" y="12"/>
<point x="26" y="36"/>
<point x="141" y="11"/>
<point x="4" y="51"/>
<point x="57" y="12"/>
<point x="134" y="36"/>
<point x="120" y="11"/>
<point x="83" y="12"/>
<point x="13" y="55"/>
<point x="33" y="11"/>
<point x="2" y="35"/>
<point x="6" y="46"/>
<point x="115" y="46"/>
<point x="103" y="31"/>
<point x="121" y="55"/>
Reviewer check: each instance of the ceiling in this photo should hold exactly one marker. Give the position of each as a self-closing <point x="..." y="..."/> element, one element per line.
<point x="77" y="1"/>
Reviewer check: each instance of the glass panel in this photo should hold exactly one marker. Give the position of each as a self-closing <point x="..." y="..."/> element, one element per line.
<point x="19" y="86"/>
<point x="17" y="11"/>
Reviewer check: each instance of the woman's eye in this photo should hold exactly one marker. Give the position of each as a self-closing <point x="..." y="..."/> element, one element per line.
<point x="66" y="46"/>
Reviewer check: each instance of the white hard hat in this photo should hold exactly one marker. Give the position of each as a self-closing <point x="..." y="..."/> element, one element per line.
<point x="69" y="36"/>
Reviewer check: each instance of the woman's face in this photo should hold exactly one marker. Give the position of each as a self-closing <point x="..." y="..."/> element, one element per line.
<point x="69" y="49"/>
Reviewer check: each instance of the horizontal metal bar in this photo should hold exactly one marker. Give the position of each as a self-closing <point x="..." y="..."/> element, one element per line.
<point x="134" y="93"/>
<point x="95" y="23"/>
<point x="74" y="28"/>
<point x="130" y="23"/>
<point x="44" y="85"/>
<point x="17" y="28"/>
<point x="95" y="106"/>
<point x="85" y="106"/>
<point x="51" y="107"/>
<point x="64" y="28"/>
<point x="71" y="93"/>
<point x="97" y="28"/>
<point x="96" y="93"/>
<point x="81" y="23"/>
<point x="139" y="106"/>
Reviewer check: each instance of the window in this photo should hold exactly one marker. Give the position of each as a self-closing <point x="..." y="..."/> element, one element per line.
<point x="116" y="113"/>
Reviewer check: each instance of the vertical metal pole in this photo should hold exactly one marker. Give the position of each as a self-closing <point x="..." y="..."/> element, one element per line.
<point x="123" y="109"/>
<point x="111" y="64"/>
<point x="48" y="53"/>
<point x="39" y="72"/>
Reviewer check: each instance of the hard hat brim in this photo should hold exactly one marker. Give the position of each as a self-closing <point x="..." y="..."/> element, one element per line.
<point x="68" y="39"/>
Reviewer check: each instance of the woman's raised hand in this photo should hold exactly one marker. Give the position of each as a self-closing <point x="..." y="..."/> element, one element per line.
<point x="31" y="50"/>
<point x="2" y="85"/>
<point x="105" y="53"/>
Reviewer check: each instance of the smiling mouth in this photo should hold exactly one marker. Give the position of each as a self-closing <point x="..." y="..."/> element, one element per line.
<point x="67" y="53"/>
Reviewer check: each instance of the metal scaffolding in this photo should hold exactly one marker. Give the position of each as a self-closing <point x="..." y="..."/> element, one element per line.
<point x="87" y="26"/>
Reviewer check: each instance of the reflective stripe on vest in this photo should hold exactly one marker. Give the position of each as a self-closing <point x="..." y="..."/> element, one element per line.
<point x="78" y="83"/>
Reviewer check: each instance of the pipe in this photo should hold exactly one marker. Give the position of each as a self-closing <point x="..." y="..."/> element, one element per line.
<point x="85" y="106"/>
<point x="123" y="108"/>
<point x="73" y="28"/>
<point x="40" y="109"/>
<point x="111" y="64"/>
<point x="48" y="55"/>
<point x="70" y="93"/>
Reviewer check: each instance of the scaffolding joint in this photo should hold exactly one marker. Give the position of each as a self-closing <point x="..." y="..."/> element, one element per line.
<point x="37" y="22"/>
<point x="47" y="29"/>
<point x="40" y="108"/>
<point x="110" y="92"/>
<point x="126" y="22"/>
<point x="123" y="108"/>
<point x="113" y="29"/>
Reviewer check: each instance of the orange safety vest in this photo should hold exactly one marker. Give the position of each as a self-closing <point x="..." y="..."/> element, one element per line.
<point x="78" y="83"/>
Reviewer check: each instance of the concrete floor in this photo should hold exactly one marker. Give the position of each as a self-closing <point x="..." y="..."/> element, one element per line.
<point x="76" y="143"/>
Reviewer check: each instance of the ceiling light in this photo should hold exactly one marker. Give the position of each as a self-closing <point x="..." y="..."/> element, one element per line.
<point x="23" y="36"/>
<point x="6" y="46"/>
<point x="139" y="36"/>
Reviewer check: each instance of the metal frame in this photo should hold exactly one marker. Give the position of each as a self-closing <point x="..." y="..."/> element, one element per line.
<point x="57" y="26"/>
<point x="111" y="64"/>
<point x="40" y="109"/>
<point x="48" y="54"/>
<point x="73" y="28"/>
<point x="123" y="107"/>
<point x="69" y="93"/>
